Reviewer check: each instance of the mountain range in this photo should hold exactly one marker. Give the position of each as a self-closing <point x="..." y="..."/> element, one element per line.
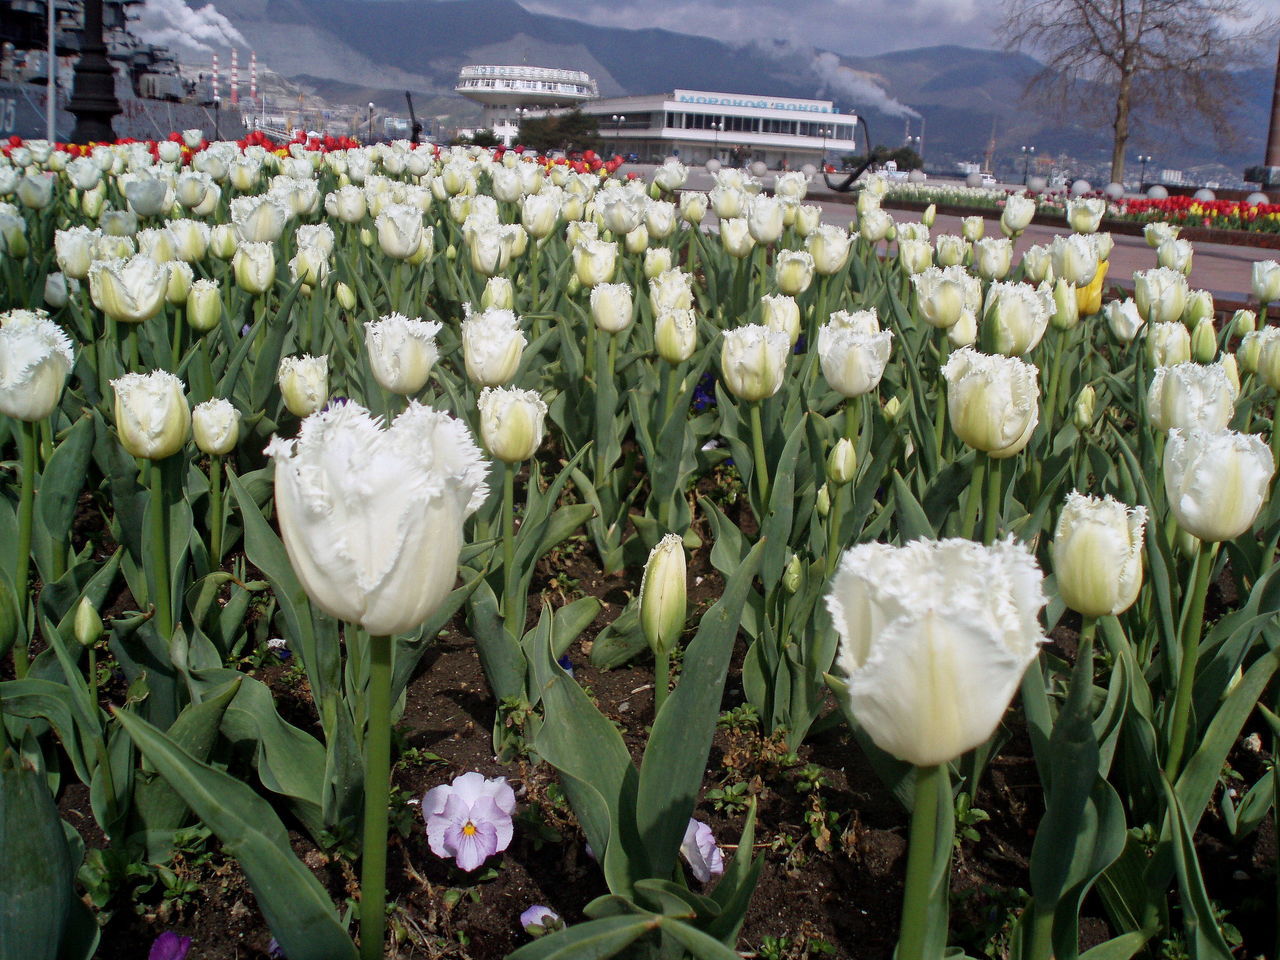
<point x="358" y="50"/>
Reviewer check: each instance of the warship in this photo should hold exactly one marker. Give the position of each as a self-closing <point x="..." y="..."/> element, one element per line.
<point x="156" y="98"/>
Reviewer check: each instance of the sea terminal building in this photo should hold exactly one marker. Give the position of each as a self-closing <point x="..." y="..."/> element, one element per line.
<point x="508" y="92"/>
<point x="696" y="125"/>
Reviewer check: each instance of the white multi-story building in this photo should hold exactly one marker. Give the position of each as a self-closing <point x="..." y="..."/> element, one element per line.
<point x="697" y="125"/>
<point x="507" y="93"/>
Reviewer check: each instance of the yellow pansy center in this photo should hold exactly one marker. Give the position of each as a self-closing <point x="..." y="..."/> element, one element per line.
<point x="469" y="828"/>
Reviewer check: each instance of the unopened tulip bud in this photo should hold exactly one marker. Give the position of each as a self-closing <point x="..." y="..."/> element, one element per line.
<point x="56" y="292"/>
<point x="1066" y="310"/>
<point x="930" y="212"/>
<point x="88" y="625"/>
<point x="511" y="422"/>
<point x="1187" y="544"/>
<point x="892" y="410"/>
<point x="1086" y="402"/>
<point x="345" y="296"/>
<point x="1204" y="342"/>
<point x="304" y="383"/>
<point x="254" y="265"/>
<point x="657" y="260"/>
<point x="499" y="293"/>
<point x="823" y="504"/>
<point x="215" y="426"/>
<point x="675" y="335"/>
<point x="663" y="594"/>
<point x="92" y="202"/>
<point x="1228" y="364"/>
<point x="842" y="462"/>
<point x="793" y="576"/>
<point x="223" y="241"/>
<point x="1244" y="321"/>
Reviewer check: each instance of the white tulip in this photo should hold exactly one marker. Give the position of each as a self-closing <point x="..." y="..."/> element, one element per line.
<point x="402" y="352"/>
<point x="793" y="271"/>
<point x="492" y="346"/>
<point x="73" y="248"/>
<point x="304" y="383"/>
<point x="853" y="351"/>
<point x="992" y="401"/>
<point x="780" y="312"/>
<point x="1167" y="344"/>
<point x="372" y="518"/>
<point x="400" y="230"/>
<point x="1161" y="294"/>
<point x="1017" y="214"/>
<point x="693" y="207"/>
<point x="972" y="228"/>
<point x="129" y="291"/>
<point x="736" y="238"/>
<point x="594" y="260"/>
<point x="663" y="594"/>
<point x="1123" y="318"/>
<point x="1158" y="232"/>
<point x="1097" y="554"/>
<point x="1017" y="315"/>
<point x="829" y="246"/>
<point x="215" y="426"/>
<point x="511" y="422"/>
<point x="1191" y="395"/>
<point x="1176" y="255"/>
<point x="254" y="265"/>
<point x="764" y="219"/>
<point x="611" y="306"/>
<point x="657" y="261"/>
<point x="671" y="290"/>
<point x="259" y="219"/>
<point x="951" y="250"/>
<point x="992" y="257"/>
<point x="151" y="412"/>
<point x="1074" y="259"/>
<point x="1216" y="482"/>
<point x="675" y="334"/>
<point x="35" y="359"/>
<point x="874" y="225"/>
<point x="1084" y="214"/>
<point x="1266" y="281"/>
<point x="935" y="637"/>
<point x="753" y="361"/>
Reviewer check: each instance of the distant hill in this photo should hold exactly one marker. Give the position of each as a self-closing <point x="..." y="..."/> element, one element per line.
<point x="376" y="49"/>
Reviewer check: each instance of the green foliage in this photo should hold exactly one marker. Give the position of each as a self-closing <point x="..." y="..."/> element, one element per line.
<point x="569" y="131"/>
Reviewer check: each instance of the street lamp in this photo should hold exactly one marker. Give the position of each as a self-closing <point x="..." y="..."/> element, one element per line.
<point x="913" y="142"/>
<point x="717" y="126"/>
<point x="1027" y="154"/>
<point x="1144" y="159"/>
<point x="826" y="132"/>
<point x="371" y="121"/>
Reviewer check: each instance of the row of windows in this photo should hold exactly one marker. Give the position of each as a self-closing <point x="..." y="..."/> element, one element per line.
<point x="730" y="124"/>
<point x="531" y="85"/>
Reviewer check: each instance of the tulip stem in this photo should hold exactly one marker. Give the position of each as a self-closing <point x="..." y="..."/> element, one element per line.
<point x="176" y="346"/>
<point x="215" y="510"/>
<point x="534" y="267"/>
<point x="158" y="536"/>
<point x="26" y="516"/>
<point x="991" y="515"/>
<point x="913" y="939"/>
<point x="377" y="789"/>
<point x="1275" y="434"/>
<point x="833" y="528"/>
<point x="661" y="680"/>
<point x="757" y="453"/>
<point x="974" y="495"/>
<point x="509" y="588"/>
<point x="940" y="414"/>
<point x="1190" y="628"/>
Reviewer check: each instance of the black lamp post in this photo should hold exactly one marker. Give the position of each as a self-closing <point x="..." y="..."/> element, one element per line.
<point x="93" y="93"/>
<point x="371" y="121"/>
<point x="914" y="143"/>
<point x="1144" y="159"/>
<point x="717" y="126"/>
<point x="1027" y="154"/>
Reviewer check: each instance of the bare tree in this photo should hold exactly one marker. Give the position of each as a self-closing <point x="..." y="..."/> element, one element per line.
<point x="1169" y="57"/>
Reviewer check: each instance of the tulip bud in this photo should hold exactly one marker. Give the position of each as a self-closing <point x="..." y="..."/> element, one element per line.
<point x="92" y="202"/>
<point x="973" y="228"/>
<point x="1244" y="321"/>
<point x="1097" y="555"/>
<point x="663" y="595"/>
<point x="511" y="422"/>
<point x="842" y="462"/>
<point x="823" y="502"/>
<point x="304" y="383"/>
<point x="215" y="426"/>
<point x="1082" y="415"/>
<point x="892" y="410"/>
<point x="180" y="279"/>
<point x="793" y="575"/>
<point x="675" y="335"/>
<point x="1066" y="313"/>
<point x="611" y="306"/>
<point x="780" y="312"/>
<point x="88" y="625"/>
<point x="1204" y="342"/>
<point x="930" y="213"/>
<point x="58" y="289"/>
<point x="151" y="412"/>
<point x="1188" y="546"/>
<point x="345" y="296"/>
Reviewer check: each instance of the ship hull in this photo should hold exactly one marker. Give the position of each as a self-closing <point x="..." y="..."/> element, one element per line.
<point x="22" y="113"/>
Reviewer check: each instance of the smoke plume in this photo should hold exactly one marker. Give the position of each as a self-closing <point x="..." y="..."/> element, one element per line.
<point x="174" y="24"/>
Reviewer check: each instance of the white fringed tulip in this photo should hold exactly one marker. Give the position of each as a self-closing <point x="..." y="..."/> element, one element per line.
<point x="146" y="195"/>
<point x="511" y="422"/>
<point x="1097" y="554"/>
<point x="400" y="230"/>
<point x="204" y="305"/>
<point x="1266" y="281"/>
<point x="764" y="218"/>
<point x="992" y="257"/>
<point x="829" y="246"/>
<point x="402" y="352"/>
<point x="781" y="312"/>
<point x="874" y="225"/>
<point x="1084" y="214"/>
<point x="972" y="228"/>
<point x="1074" y="259"/>
<point x="753" y="361"/>
<point x="35" y="358"/>
<point x="215" y="426"/>
<point x="793" y="271"/>
<point x="498" y="292"/>
<point x="992" y="401"/>
<point x="259" y="219"/>
<point x="1017" y="214"/>
<point x="1016" y="316"/>
<point x="1123" y="318"/>
<point x="594" y="260"/>
<point x="1168" y="344"/>
<point x="693" y="207"/>
<point x="660" y="219"/>
<point x="152" y="416"/>
<point x="1191" y="395"/>
<point x="853" y="351"/>
<point x="736" y="238"/>
<point x="190" y="239"/>
<point x="304" y="383"/>
<point x="1158" y="232"/>
<point x="934" y="639"/>
<point x="492" y="346"/>
<point x="964" y="332"/>
<point x="914" y="256"/>
<point x="611" y="306"/>
<point x="671" y="176"/>
<point x="951" y="250"/>
<point x="663" y="594"/>
<point x="1175" y="255"/>
<point x="372" y="518"/>
<point x="73" y="249"/>
<point x="1161" y="294"/>
<point x="675" y="334"/>
<point x="1037" y="265"/>
<point x="657" y="261"/>
<point x="128" y="291"/>
<point x="254" y="265"/>
<point x="940" y="294"/>
<point x="1216" y="482"/>
<point x="671" y="290"/>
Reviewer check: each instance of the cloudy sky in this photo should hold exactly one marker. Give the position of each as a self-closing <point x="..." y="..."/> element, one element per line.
<point x="858" y="27"/>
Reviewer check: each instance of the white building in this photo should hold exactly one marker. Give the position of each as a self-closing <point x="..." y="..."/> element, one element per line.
<point x="696" y="125"/>
<point x="509" y="92"/>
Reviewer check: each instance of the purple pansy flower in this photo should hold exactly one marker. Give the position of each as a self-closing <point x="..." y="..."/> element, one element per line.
<point x="469" y="820"/>
<point x="169" y="946"/>
<point x="539" y="920"/>
<point x="700" y="851"/>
